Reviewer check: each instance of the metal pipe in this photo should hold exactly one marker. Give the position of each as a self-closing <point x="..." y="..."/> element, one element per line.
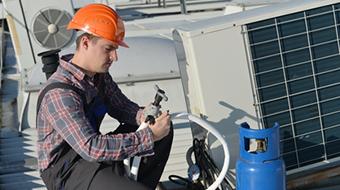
<point x="183" y="7"/>
<point x="50" y="60"/>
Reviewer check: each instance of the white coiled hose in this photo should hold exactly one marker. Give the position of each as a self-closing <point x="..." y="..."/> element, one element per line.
<point x="136" y="161"/>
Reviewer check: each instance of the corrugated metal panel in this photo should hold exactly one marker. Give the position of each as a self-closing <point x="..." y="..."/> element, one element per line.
<point x="18" y="163"/>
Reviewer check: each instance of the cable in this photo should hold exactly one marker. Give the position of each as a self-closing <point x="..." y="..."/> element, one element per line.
<point x="180" y="180"/>
<point x="207" y="166"/>
<point x="219" y="137"/>
<point x="185" y="182"/>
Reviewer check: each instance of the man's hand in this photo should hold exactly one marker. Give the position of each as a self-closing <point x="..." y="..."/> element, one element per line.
<point x="161" y="127"/>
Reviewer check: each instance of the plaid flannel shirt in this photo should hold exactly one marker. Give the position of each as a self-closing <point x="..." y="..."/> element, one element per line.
<point x="61" y="117"/>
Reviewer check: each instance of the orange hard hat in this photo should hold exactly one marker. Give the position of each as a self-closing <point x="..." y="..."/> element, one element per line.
<point x="99" y="20"/>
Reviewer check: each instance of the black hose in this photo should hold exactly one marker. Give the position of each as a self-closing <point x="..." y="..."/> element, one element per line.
<point x="189" y="185"/>
<point x="207" y="167"/>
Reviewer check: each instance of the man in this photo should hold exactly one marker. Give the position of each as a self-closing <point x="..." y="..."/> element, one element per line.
<point x="72" y="153"/>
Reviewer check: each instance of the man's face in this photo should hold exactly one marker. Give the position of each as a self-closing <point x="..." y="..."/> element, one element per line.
<point x="101" y="53"/>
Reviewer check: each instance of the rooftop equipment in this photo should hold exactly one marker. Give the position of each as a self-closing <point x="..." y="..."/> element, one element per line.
<point x="278" y="63"/>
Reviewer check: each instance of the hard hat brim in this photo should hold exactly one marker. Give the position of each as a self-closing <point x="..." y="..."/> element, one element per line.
<point x="123" y="44"/>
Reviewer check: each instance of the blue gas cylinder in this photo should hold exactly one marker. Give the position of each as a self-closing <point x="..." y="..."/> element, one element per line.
<point x="261" y="169"/>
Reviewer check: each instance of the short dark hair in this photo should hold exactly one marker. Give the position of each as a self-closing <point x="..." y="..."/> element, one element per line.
<point x="90" y="36"/>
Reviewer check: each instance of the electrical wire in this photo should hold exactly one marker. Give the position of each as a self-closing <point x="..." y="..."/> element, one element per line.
<point x="208" y="165"/>
<point x="208" y="169"/>
<point x="224" y="171"/>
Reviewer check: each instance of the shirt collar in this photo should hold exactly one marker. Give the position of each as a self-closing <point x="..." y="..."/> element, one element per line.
<point x="70" y="67"/>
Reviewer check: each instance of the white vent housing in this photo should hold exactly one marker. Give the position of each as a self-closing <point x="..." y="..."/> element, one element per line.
<point x="278" y="63"/>
<point x="37" y="26"/>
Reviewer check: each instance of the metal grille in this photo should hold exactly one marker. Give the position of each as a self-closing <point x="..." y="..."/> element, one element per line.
<point x="49" y="28"/>
<point x="296" y="64"/>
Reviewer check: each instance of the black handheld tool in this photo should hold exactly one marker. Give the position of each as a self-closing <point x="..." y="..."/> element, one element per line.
<point x="152" y="111"/>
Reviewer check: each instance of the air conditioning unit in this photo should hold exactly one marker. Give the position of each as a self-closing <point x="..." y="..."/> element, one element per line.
<point x="278" y="63"/>
<point x="37" y="26"/>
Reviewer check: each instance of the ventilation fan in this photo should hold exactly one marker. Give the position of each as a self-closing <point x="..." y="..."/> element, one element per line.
<point x="49" y="28"/>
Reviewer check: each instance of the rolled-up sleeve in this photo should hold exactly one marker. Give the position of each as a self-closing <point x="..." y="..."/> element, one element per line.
<point x="63" y="109"/>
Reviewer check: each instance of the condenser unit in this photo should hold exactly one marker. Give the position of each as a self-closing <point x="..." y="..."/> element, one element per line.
<point x="38" y="26"/>
<point x="280" y="64"/>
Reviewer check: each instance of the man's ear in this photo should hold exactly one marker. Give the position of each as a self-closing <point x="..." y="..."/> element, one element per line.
<point x="84" y="42"/>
